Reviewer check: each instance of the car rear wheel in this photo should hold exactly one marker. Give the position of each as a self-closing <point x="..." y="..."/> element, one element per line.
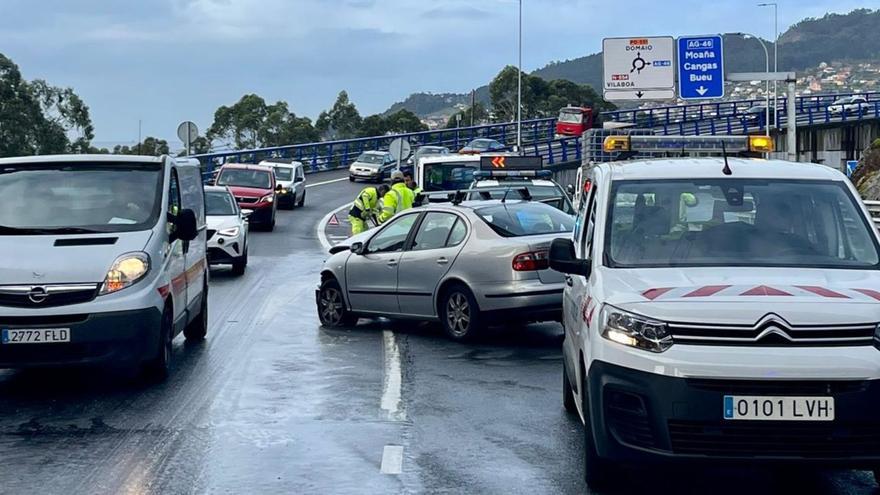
<point x="350" y="178"/>
<point x="302" y="200"/>
<point x="239" y="265"/>
<point x="598" y="472"/>
<point x="198" y="328"/>
<point x="156" y="369"/>
<point x="331" y="306"/>
<point x="460" y="314"/>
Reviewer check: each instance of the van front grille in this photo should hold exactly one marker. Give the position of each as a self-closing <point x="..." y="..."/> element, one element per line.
<point x="46" y="296"/>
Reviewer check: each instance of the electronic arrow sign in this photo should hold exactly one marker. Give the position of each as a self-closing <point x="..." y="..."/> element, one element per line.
<point x="700" y="67"/>
<point x="502" y="163"/>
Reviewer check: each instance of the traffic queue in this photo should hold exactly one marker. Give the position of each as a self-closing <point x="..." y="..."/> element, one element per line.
<point x="719" y="309"/>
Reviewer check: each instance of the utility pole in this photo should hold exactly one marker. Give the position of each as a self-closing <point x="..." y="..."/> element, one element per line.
<point x="519" y="88"/>
<point x="473" y="105"/>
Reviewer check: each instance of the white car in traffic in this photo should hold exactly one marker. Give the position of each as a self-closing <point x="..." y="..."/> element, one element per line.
<point x="721" y="310"/>
<point x="227" y="229"/>
<point x="850" y="105"/>
<point x="290" y="175"/>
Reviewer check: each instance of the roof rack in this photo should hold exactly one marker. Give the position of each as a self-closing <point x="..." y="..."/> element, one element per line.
<point x="458" y="196"/>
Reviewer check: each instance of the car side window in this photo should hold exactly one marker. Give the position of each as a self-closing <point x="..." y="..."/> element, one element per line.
<point x="457" y="234"/>
<point x="434" y="231"/>
<point x="393" y="237"/>
<point x="589" y="225"/>
<point x="174" y="193"/>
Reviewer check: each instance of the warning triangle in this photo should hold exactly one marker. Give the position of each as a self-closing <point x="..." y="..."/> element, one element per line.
<point x="333" y="220"/>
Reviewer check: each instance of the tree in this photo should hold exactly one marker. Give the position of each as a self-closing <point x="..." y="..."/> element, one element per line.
<point x="251" y="123"/>
<point x="540" y="98"/>
<point x="340" y="122"/>
<point x="36" y="118"/>
<point x="149" y="147"/>
<point x="404" y="121"/>
<point x="65" y="110"/>
<point x="480" y="115"/>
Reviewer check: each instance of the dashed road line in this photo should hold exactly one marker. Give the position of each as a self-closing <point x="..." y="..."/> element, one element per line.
<point x="392" y="459"/>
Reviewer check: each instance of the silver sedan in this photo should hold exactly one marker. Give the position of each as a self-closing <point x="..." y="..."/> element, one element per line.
<point x="465" y="265"/>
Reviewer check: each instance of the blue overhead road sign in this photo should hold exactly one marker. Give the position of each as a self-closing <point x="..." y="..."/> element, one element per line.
<point x="700" y="67"/>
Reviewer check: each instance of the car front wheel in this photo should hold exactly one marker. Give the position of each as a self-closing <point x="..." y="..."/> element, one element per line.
<point x="331" y="306"/>
<point x="598" y="472"/>
<point x="460" y="314"/>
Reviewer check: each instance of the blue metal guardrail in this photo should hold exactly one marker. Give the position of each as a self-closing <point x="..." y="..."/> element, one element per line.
<point x="677" y="114"/>
<point x="329" y="155"/>
<point x="730" y="117"/>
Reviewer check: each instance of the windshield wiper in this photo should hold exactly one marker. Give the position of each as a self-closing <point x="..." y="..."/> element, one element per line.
<point x="5" y="230"/>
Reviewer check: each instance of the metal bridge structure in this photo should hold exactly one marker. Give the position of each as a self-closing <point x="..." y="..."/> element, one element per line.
<point x="710" y="118"/>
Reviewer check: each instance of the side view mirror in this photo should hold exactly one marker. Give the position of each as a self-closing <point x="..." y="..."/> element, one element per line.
<point x="299" y="179"/>
<point x="570" y="189"/>
<point x="563" y="259"/>
<point x="278" y="188"/>
<point x="246" y="213"/>
<point x="186" y="227"/>
<point x="357" y="248"/>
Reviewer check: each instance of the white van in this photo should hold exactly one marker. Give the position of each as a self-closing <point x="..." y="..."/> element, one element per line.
<point x="721" y="310"/>
<point x="102" y="260"/>
<point x="291" y="177"/>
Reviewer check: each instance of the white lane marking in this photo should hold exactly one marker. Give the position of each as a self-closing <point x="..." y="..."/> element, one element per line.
<point x="391" y="383"/>
<point x="322" y="227"/>
<point x="316" y="184"/>
<point x="392" y="459"/>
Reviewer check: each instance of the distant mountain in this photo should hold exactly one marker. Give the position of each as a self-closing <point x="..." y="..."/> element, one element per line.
<point x="832" y="38"/>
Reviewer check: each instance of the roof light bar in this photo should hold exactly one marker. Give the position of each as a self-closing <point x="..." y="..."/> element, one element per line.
<point x="484" y="174"/>
<point x="730" y="144"/>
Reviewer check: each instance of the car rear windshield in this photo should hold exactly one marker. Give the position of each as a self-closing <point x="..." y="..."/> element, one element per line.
<point x="371" y="158"/>
<point x="522" y="219"/>
<point x="284" y="173"/>
<point x="737" y="222"/>
<point x="219" y="203"/>
<point x="258" y="179"/>
<point x="81" y="197"/>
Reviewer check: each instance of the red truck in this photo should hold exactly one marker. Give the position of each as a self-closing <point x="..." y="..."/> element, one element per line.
<point x="573" y="121"/>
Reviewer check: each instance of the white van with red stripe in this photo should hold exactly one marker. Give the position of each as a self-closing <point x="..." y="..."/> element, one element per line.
<point x="722" y="310"/>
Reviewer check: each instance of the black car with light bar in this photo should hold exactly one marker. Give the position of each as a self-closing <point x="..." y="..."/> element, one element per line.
<point x="519" y="172"/>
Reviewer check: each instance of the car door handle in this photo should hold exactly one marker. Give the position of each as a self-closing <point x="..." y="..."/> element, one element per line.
<point x="442" y="261"/>
<point x="568" y="281"/>
<point x="392" y="262"/>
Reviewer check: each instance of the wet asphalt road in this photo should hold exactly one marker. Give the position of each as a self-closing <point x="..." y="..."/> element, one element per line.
<point x="272" y="403"/>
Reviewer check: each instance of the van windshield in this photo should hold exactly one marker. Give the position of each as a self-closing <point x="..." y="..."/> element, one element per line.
<point x="449" y="176"/>
<point x="284" y="173"/>
<point x="737" y="222"/>
<point x="79" y="198"/>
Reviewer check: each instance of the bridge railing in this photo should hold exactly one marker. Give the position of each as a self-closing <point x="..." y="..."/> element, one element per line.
<point x="676" y="114"/>
<point x="329" y="155"/>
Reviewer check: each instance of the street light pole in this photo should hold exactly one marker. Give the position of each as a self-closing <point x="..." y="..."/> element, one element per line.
<point x="766" y="82"/>
<point x="775" y="50"/>
<point x="519" y="88"/>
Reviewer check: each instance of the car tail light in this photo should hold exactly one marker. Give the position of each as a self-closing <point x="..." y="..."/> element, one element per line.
<point x="529" y="262"/>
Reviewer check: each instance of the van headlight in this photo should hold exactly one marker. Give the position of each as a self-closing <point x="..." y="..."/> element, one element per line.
<point x="127" y="270"/>
<point x="267" y="198"/>
<point x="634" y="330"/>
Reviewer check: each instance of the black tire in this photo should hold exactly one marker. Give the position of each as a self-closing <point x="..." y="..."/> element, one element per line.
<point x="598" y="472"/>
<point x="271" y="225"/>
<point x="567" y="392"/>
<point x="302" y="200"/>
<point x="157" y="369"/>
<point x="331" y="306"/>
<point x="239" y="265"/>
<point x="198" y="328"/>
<point x="459" y="313"/>
<point x="877" y="476"/>
<point x="350" y="178"/>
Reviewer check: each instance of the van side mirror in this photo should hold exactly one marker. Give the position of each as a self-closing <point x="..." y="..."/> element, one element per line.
<point x="278" y="188"/>
<point x="563" y="259"/>
<point x="186" y="227"/>
<point x="570" y="189"/>
<point x="299" y="179"/>
<point x="357" y="248"/>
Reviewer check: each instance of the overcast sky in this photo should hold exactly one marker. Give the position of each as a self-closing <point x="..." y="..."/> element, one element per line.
<point x="163" y="61"/>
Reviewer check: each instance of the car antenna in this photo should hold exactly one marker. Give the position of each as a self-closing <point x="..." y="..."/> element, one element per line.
<point x="504" y="198"/>
<point x="726" y="170"/>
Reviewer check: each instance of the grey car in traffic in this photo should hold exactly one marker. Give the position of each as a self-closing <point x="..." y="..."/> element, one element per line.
<point x="465" y="265"/>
